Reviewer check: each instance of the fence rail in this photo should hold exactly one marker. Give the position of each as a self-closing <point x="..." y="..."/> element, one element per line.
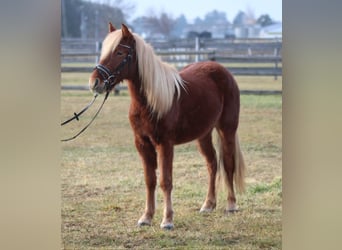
<point x="118" y="88"/>
<point x="258" y="57"/>
<point x="180" y="58"/>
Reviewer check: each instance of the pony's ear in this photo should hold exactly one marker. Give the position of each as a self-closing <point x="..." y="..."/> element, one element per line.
<point x="111" y="27"/>
<point x="125" y="31"/>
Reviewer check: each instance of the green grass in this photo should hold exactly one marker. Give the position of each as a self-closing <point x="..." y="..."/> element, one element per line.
<point x="103" y="190"/>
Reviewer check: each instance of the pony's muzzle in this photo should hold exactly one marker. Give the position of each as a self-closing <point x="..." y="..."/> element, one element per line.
<point x="96" y="82"/>
<point x="95" y="85"/>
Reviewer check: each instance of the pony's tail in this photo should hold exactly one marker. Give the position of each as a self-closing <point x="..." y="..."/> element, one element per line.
<point x="239" y="162"/>
<point x="239" y="167"/>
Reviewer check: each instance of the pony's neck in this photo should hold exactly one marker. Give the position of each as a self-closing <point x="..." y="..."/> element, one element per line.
<point x="160" y="82"/>
<point x="137" y="94"/>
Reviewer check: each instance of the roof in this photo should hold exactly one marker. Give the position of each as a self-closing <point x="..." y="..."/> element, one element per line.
<point x="273" y="30"/>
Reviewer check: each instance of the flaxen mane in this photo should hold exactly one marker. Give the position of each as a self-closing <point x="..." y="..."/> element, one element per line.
<point x="160" y="81"/>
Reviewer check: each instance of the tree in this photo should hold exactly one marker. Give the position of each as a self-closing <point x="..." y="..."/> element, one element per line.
<point x="215" y="17"/>
<point x="198" y="21"/>
<point x="265" y="20"/>
<point x="179" y="26"/>
<point x="98" y="17"/>
<point x="126" y="7"/>
<point x="205" y="34"/>
<point x="88" y="20"/>
<point x="250" y="16"/>
<point x="192" y="34"/>
<point x="71" y="18"/>
<point x="163" y="24"/>
<point x="239" y="19"/>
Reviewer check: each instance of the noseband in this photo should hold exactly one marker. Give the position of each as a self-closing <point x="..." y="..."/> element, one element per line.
<point x="110" y="77"/>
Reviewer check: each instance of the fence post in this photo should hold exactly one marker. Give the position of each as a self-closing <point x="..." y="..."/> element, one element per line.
<point x="212" y="55"/>
<point x="98" y="47"/>
<point x="249" y="51"/>
<point x="197" y="48"/>
<point x="276" y="53"/>
<point x="276" y="67"/>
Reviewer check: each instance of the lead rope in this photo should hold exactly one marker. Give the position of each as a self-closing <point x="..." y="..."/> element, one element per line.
<point x="77" y="115"/>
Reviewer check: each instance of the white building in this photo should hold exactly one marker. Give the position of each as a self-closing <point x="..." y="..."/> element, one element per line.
<point x="272" y="31"/>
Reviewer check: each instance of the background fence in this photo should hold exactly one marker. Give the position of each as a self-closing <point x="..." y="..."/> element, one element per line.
<point x="242" y="57"/>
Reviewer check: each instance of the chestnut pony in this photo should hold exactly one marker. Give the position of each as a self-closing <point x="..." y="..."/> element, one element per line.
<point x="169" y="108"/>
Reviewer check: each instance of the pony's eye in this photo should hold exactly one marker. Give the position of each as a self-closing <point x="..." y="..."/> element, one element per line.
<point x="119" y="53"/>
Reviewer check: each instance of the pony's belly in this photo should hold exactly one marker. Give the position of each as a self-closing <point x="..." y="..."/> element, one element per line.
<point x="184" y="138"/>
<point x="196" y="126"/>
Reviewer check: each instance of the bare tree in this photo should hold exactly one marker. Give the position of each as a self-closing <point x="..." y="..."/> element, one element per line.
<point x="250" y="16"/>
<point x="163" y="24"/>
<point x="125" y="6"/>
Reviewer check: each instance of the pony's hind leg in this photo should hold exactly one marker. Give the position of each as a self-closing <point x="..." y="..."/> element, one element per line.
<point x="149" y="159"/>
<point x="207" y="149"/>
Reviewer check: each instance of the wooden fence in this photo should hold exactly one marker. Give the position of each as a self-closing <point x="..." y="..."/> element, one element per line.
<point x="273" y="63"/>
<point x="231" y="46"/>
<point x="257" y="57"/>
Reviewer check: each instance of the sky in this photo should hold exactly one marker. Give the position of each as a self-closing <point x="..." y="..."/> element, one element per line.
<point x="198" y="8"/>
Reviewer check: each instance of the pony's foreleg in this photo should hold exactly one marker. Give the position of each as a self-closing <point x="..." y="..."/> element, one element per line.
<point x="149" y="159"/>
<point x="165" y="154"/>
<point x="207" y="149"/>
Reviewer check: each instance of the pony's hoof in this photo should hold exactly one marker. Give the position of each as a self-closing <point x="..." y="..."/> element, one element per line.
<point x="145" y="220"/>
<point x="206" y="210"/>
<point x="208" y="207"/>
<point x="231" y="211"/>
<point x="142" y="223"/>
<point x="166" y="226"/>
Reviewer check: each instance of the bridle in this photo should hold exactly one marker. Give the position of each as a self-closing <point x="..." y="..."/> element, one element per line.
<point x="107" y="75"/>
<point x="109" y="79"/>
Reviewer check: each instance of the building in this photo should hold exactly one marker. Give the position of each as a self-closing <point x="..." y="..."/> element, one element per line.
<point x="272" y="31"/>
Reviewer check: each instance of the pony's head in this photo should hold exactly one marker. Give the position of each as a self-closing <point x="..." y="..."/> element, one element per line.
<point x="126" y="56"/>
<point x="117" y="60"/>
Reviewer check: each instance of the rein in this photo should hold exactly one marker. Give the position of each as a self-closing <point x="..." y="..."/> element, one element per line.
<point x="77" y="115"/>
<point x="109" y="79"/>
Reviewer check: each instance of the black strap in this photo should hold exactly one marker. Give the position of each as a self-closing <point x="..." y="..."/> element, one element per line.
<point x="98" y="111"/>
<point x="104" y="71"/>
<point x="76" y="116"/>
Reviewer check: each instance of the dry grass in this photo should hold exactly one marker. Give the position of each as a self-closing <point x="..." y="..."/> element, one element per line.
<point x="245" y="82"/>
<point x="75" y="79"/>
<point x="103" y="192"/>
<point x="259" y="83"/>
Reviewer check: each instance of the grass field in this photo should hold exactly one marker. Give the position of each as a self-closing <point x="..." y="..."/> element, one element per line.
<point x="103" y="192"/>
<point x="245" y="82"/>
